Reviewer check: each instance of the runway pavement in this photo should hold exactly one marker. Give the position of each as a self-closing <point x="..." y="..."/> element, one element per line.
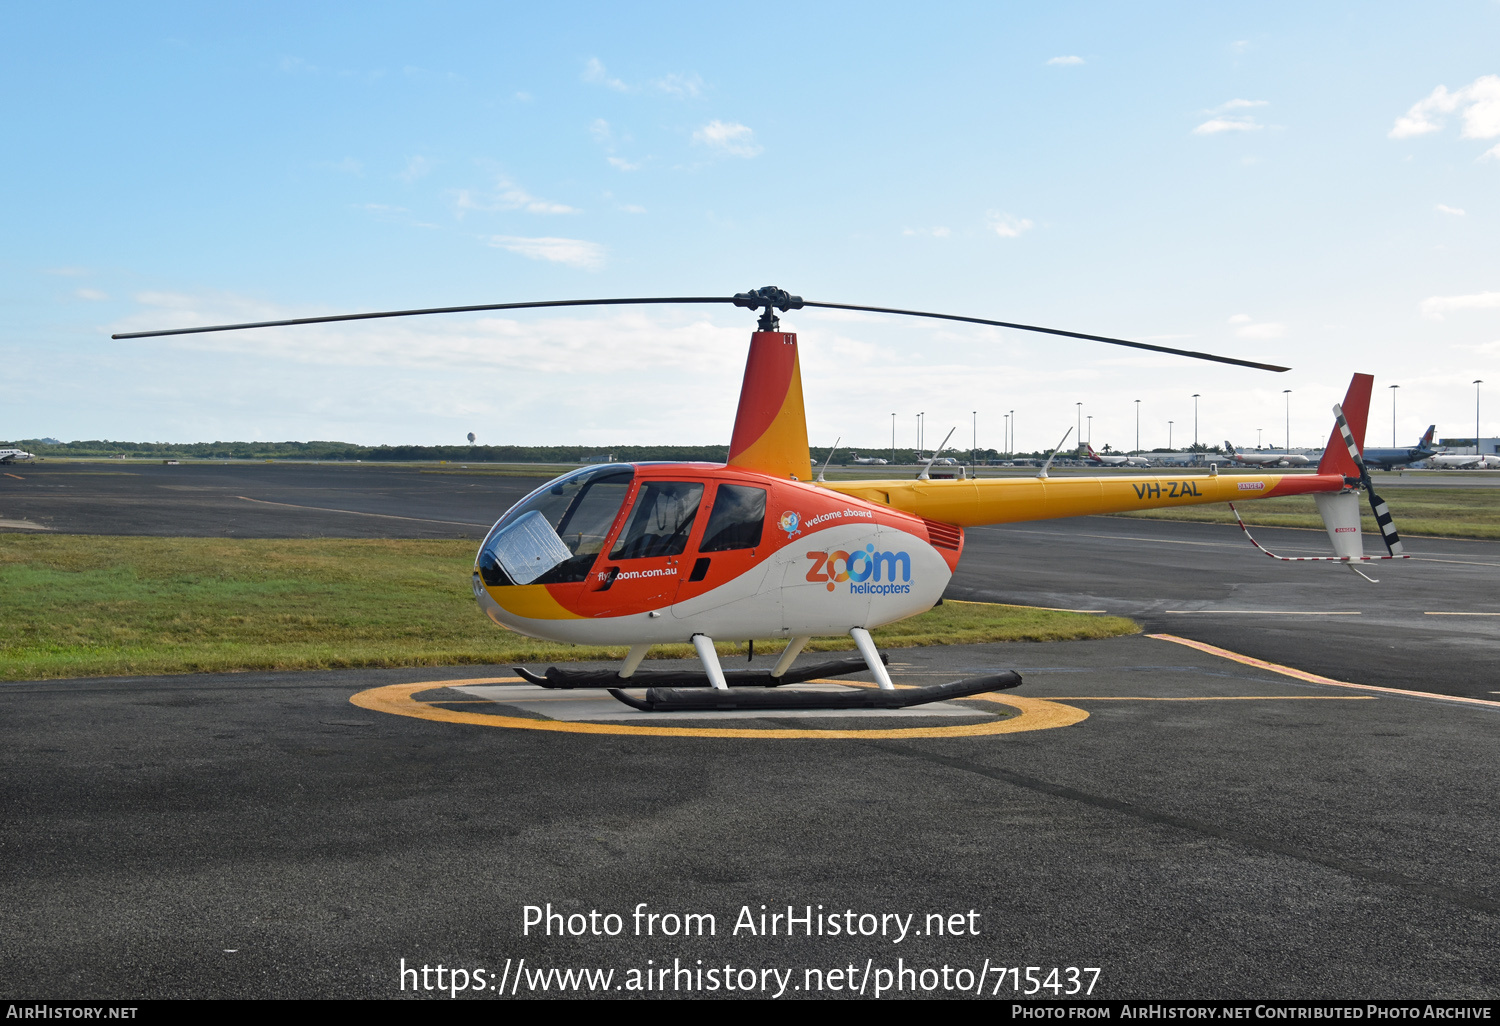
<point x="258" y="500"/>
<point x="1187" y="823"/>
<point x="1210" y="829"/>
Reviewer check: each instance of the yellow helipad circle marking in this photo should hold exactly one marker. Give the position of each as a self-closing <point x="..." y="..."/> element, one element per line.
<point x="1036" y="714"/>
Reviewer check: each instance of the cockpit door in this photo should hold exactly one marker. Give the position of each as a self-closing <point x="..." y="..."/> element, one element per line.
<point x="644" y="562"/>
<point x="721" y="566"/>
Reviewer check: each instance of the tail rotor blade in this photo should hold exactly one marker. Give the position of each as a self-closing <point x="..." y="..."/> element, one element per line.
<point x="1382" y="512"/>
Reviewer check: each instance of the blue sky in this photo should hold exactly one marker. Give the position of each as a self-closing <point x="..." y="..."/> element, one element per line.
<point x="1309" y="187"/>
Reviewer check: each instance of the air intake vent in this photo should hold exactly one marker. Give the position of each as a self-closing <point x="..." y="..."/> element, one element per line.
<point x="944" y="536"/>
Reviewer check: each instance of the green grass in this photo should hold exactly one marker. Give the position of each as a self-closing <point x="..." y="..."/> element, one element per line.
<point x="80" y="606"/>
<point x="1430" y="512"/>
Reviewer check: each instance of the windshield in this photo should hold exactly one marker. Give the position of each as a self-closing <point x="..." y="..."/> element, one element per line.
<point x="572" y="514"/>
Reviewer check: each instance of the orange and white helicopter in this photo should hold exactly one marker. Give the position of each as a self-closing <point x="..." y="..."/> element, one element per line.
<point x="655" y="553"/>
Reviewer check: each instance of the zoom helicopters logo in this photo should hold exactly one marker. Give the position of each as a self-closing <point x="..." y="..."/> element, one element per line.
<point x="867" y="571"/>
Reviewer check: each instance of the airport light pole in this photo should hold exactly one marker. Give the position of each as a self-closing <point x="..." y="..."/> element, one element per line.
<point x="1477" y="383"/>
<point x="1005" y="432"/>
<point x="974" y="443"/>
<point x="1257" y="437"/>
<point x="893" y="439"/>
<point x="1169" y="435"/>
<point x="1091" y="430"/>
<point x="1012" y="432"/>
<point x="1080" y="421"/>
<point x="1393" y="415"/>
<point x="1288" y="393"/>
<point x="1137" y="427"/>
<point x="1195" y="420"/>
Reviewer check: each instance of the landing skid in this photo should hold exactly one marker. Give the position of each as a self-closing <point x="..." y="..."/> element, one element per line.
<point x="719" y="699"/>
<point x="566" y="679"/>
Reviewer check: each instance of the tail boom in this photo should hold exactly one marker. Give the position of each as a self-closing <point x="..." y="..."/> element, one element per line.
<point x="1007" y="500"/>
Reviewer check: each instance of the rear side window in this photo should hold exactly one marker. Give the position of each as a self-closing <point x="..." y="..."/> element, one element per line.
<point x="737" y="517"/>
<point x="661" y="521"/>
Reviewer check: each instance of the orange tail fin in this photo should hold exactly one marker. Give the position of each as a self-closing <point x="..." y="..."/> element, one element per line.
<point x="1356" y="408"/>
<point x="770" y="430"/>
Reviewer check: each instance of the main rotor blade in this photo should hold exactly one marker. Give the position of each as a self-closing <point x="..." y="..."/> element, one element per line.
<point x="1055" y="331"/>
<point x="430" y="310"/>
<point x="682" y="300"/>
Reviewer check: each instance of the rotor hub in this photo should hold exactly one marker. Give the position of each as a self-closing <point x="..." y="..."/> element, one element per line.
<point x="773" y="299"/>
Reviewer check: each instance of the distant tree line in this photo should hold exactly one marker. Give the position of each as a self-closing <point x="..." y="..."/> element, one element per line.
<point x="843" y="456"/>
<point x="349" y="451"/>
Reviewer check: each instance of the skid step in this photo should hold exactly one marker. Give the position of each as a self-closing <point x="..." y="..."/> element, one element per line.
<point x="711" y="699"/>
<point x="555" y="678"/>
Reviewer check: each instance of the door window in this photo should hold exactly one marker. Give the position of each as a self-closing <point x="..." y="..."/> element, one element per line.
<point x="661" y="521"/>
<point x="736" y="519"/>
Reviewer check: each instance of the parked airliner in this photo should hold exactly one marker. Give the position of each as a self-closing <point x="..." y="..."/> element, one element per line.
<point x="1116" y="461"/>
<point x="1265" y="459"/>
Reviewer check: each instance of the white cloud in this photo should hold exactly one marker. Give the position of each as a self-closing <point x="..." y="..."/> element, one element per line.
<point x="604" y="135"/>
<point x="1215" y="125"/>
<point x="684" y="87"/>
<point x="1493" y="153"/>
<point x="1248" y="328"/>
<point x="415" y="168"/>
<point x="93" y="295"/>
<point x="729" y="137"/>
<point x="1480" y="100"/>
<point x="348" y="166"/>
<point x="1435" y="306"/>
<point x="594" y="72"/>
<point x="937" y="233"/>
<point x="1262" y="331"/>
<point x="1006" y="226"/>
<point x="1240" y="45"/>
<point x="508" y="196"/>
<point x="1066" y="60"/>
<point x="1457" y="211"/>
<point x="573" y="252"/>
<point x="1224" y="120"/>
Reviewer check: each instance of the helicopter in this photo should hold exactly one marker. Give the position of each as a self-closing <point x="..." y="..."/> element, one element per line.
<point x="646" y="554"/>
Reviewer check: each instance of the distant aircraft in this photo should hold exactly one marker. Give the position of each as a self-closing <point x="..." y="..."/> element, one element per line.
<point x="869" y="460"/>
<point x="1265" y="459"/>
<point x="1390" y="459"/>
<point x="1116" y="461"/>
<point x="1463" y="461"/>
<point x="12" y="455"/>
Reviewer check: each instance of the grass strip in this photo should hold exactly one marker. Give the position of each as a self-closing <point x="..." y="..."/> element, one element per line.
<point x="1429" y="512"/>
<point x="84" y="606"/>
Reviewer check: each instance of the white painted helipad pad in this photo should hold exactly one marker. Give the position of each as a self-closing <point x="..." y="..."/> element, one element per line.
<point x="586" y="705"/>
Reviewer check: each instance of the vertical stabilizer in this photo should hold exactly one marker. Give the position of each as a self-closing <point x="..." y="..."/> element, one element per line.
<point x="1356" y="407"/>
<point x="770" y="429"/>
